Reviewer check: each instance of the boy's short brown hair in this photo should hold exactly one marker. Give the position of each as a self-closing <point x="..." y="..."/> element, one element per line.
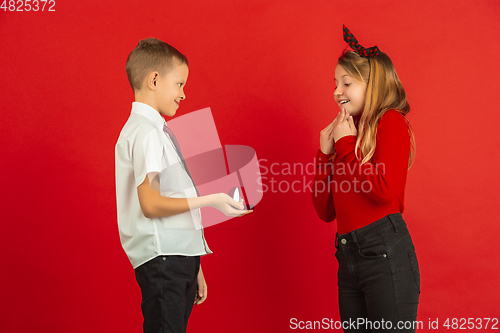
<point x="151" y="54"/>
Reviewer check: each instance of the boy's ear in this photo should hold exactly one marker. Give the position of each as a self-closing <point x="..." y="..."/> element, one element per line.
<point x="151" y="80"/>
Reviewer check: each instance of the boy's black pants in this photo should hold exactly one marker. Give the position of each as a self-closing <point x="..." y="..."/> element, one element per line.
<point x="168" y="286"/>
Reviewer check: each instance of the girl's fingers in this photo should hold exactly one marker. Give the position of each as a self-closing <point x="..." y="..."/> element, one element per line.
<point x="329" y="128"/>
<point x="338" y="120"/>
<point x="341" y="116"/>
<point x="354" y="130"/>
<point x="351" y="122"/>
<point x="330" y="125"/>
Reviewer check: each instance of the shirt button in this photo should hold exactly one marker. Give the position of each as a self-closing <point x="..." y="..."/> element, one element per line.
<point x="164" y="258"/>
<point x="343" y="241"/>
<point x="385" y="255"/>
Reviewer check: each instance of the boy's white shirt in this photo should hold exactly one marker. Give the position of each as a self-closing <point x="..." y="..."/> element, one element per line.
<point x="144" y="149"/>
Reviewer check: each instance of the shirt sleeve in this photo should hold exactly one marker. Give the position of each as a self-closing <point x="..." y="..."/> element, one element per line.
<point x="322" y="196"/>
<point x="147" y="152"/>
<point x="386" y="172"/>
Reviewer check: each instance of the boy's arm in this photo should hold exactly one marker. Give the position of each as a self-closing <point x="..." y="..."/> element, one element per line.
<point x="201" y="292"/>
<point x="153" y="204"/>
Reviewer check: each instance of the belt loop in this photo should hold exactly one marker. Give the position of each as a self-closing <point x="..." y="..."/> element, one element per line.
<point x="393" y="221"/>
<point x="355" y="238"/>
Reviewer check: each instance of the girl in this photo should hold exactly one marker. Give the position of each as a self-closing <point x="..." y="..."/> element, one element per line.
<point x="360" y="180"/>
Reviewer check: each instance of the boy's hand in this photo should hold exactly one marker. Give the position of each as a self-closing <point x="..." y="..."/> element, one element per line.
<point x="201" y="293"/>
<point x="227" y="205"/>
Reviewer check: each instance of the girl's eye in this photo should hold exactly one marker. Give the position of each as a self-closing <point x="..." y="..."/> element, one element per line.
<point x="180" y="84"/>
<point x="347" y="84"/>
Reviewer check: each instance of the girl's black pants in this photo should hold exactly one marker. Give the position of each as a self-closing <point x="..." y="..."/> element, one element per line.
<point x="378" y="277"/>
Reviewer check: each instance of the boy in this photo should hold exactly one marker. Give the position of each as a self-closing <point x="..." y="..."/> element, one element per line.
<point x="157" y="202"/>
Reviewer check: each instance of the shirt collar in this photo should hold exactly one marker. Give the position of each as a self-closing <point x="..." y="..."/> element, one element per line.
<point x="148" y="112"/>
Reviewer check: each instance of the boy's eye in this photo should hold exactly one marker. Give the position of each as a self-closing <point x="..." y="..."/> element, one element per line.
<point x="180" y="84"/>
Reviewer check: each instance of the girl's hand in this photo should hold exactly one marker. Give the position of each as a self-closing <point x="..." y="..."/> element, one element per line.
<point x="343" y="125"/>
<point x="326" y="138"/>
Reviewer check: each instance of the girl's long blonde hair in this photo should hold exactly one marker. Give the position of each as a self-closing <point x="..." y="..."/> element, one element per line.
<point x="384" y="92"/>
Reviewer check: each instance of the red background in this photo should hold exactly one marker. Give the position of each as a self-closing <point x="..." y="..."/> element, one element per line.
<point x="266" y="69"/>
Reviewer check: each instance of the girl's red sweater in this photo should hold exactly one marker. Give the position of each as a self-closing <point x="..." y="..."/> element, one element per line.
<point x="357" y="195"/>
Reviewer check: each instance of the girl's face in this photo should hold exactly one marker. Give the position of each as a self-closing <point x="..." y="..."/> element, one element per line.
<point x="350" y="93"/>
